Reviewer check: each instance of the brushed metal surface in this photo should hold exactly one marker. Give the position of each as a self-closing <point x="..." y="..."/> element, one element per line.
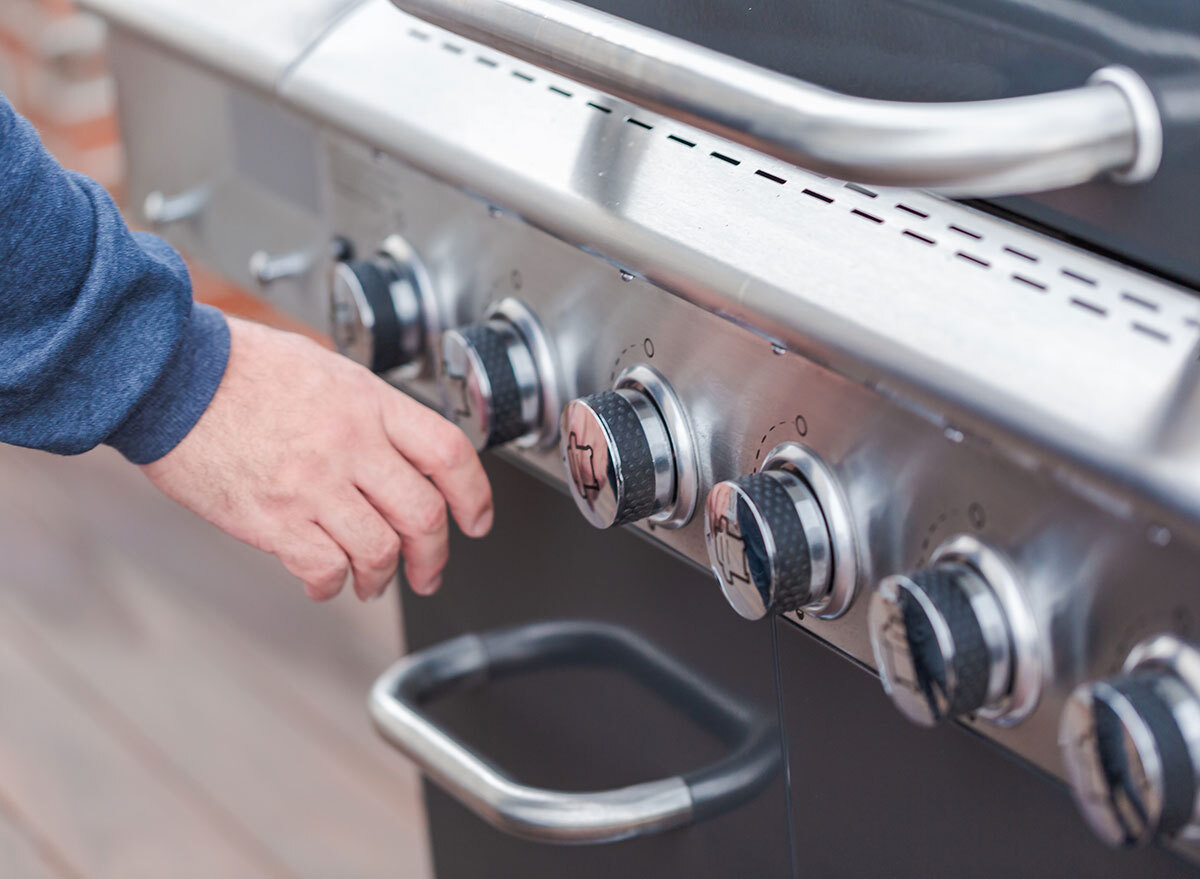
<point x="987" y="328"/>
<point x="252" y="41"/>
<point x="970" y="50"/>
<point x="231" y="145"/>
<point x="1003" y="147"/>
<point x="956" y="374"/>
<point x="910" y="483"/>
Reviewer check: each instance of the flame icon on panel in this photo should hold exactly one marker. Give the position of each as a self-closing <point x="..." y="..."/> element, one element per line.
<point x="730" y="551"/>
<point x="904" y="673"/>
<point x="581" y="460"/>
<point x="462" y="403"/>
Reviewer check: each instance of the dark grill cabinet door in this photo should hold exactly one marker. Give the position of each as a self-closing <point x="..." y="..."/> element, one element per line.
<point x="875" y="795"/>
<point x="582" y="727"/>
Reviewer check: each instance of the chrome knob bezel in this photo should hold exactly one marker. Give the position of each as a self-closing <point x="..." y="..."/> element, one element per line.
<point x="415" y="311"/>
<point x="1006" y="623"/>
<point x="847" y="557"/>
<point x="649" y="381"/>
<point x="545" y="364"/>
<point x="756" y="590"/>
<point x="491" y="408"/>
<point x="962" y="590"/>
<point x="1029" y="667"/>
<point x="597" y="477"/>
<point x="618" y="457"/>
<point x="1178" y="665"/>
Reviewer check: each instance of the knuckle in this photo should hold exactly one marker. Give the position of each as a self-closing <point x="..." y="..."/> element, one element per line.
<point x="454" y="450"/>
<point x="427" y="514"/>
<point x="279" y="498"/>
<point x="384" y="552"/>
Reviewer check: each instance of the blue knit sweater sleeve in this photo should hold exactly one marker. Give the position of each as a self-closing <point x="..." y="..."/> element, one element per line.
<point x="100" y="341"/>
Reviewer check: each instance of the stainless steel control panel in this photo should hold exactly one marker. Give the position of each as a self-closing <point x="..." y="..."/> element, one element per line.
<point x="910" y="487"/>
<point x="985" y="574"/>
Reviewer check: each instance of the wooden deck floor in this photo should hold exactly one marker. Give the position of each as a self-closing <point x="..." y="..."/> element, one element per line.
<point x="172" y="706"/>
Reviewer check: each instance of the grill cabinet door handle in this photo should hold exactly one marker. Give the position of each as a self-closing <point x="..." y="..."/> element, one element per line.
<point x="569" y="817"/>
<point x="1006" y="146"/>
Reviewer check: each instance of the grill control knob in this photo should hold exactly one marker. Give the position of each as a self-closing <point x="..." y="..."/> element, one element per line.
<point x="377" y="309"/>
<point x="493" y="389"/>
<point x="942" y="642"/>
<point x="1131" y="745"/>
<point x="628" y="453"/>
<point x="618" y="456"/>
<point x="768" y="543"/>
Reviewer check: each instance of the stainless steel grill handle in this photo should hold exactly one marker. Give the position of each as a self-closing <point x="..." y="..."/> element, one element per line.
<point x="568" y="817"/>
<point x="978" y="148"/>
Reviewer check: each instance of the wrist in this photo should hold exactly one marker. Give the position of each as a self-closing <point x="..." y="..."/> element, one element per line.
<point x="185" y="387"/>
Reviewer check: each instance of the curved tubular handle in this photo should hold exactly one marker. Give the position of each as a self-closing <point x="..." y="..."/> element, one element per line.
<point x="978" y="148"/>
<point x="557" y="816"/>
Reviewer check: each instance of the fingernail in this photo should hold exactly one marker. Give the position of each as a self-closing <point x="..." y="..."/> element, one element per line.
<point x="483" y="524"/>
<point x="431" y="587"/>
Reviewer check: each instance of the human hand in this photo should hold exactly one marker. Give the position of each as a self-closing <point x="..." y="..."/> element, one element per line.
<point x="309" y="456"/>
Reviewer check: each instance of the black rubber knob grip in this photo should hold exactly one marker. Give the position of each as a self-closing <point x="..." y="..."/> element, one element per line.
<point x="970" y="660"/>
<point x="387" y="352"/>
<point x="636" y="497"/>
<point x="1178" y="775"/>
<point x="491" y="346"/>
<point x="790" y="570"/>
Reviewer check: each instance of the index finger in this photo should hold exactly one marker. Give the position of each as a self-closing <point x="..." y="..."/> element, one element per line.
<point x="441" y="451"/>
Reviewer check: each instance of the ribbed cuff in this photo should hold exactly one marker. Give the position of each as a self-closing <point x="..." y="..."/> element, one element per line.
<point x="183" y="391"/>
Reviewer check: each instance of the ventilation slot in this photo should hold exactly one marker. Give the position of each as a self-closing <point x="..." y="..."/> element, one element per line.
<point x="1075" y="276"/>
<point x="1130" y="299"/>
<point x="1139" y="301"/>
<point x="1090" y="306"/>
<point x="1020" y="254"/>
<point x="1030" y="282"/>
<point x="861" y="190"/>
<point x="973" y="259"/>
<point x="1159" y="335"/>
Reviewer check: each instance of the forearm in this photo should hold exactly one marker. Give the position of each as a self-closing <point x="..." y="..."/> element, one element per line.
<point x="99" y="339"/>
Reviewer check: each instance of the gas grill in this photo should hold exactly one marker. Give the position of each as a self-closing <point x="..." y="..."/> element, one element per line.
<point x="875" y="323"/>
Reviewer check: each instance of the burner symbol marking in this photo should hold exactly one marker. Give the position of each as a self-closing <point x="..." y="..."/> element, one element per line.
<point x="730" y="551"/>
<point x="462" y="403"/>
<point x="582" y="461"/>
